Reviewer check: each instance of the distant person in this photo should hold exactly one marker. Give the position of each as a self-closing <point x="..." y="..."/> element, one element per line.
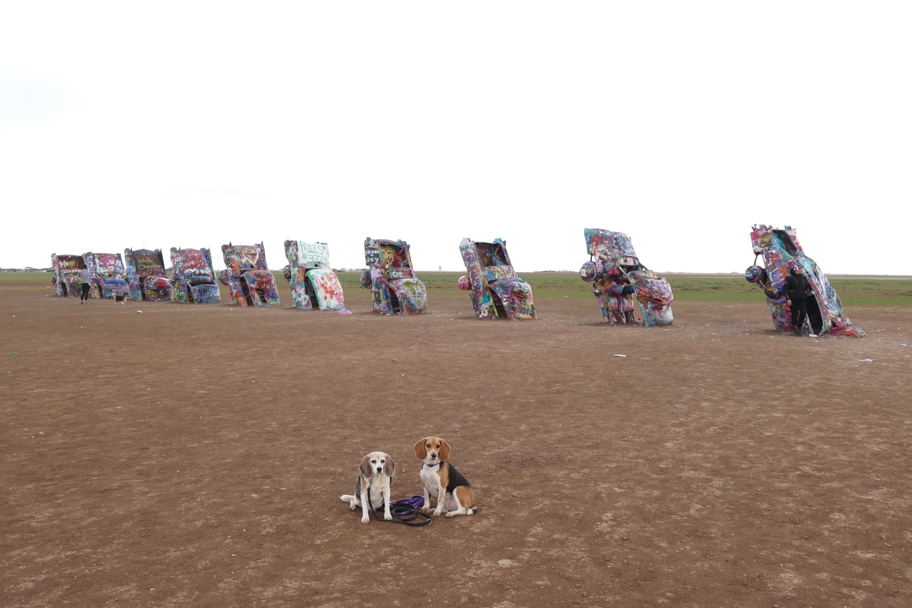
<point x="797" y="288"/>
<point x="86" y="277"/>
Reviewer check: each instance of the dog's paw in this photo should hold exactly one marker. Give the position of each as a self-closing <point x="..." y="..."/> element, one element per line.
<point x="452" y="513"/>
<point x="425" y="509"/>
<point x="387" y="517"/>
<point x="365" y="519"/>
<point x="352" y="506"/>
<point x="437" y="512"/>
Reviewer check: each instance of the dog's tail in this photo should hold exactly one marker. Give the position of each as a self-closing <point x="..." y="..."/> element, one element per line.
<point x="349" y="498"/>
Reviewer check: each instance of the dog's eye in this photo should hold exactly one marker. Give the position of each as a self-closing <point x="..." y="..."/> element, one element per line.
<point x="374" y="461"/>
<point x="382" y="461"/>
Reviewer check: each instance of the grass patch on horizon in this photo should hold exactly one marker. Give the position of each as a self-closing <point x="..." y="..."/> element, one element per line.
<point x="852" y="292"/>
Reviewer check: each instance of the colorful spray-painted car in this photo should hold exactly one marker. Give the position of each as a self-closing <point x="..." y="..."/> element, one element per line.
<point x="146" y="275"/>
<point x="778" y="247"/>
<point x="194" y="277"/>
<point x="66" y="274"/>
<point x="108" y="278"/>
<point x="313" y="283"/>
<point x="497" y="293"/>
<point x="247" y="276"/>
<point x="391" y="279"/>
<point x="627" y="291"/>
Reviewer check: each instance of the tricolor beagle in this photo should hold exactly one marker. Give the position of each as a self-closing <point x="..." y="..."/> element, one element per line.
<point x="441" y="479"/>
<point x="373" y="487"/>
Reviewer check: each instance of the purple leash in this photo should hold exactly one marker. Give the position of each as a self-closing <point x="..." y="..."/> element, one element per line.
<point x="405" y="511"/>
<point x="415" y="502"/>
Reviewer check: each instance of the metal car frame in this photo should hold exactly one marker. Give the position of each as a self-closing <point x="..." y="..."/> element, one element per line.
<point x="108" y="278"/>
<point x="394" y="287"/>
<point x="314" y="284"/>
<point x="627" y="291"/>
<point x="247" y="276"/>
<point x="497" y="292"/>
<point x="147" y="276"/>
<point x="193" y="276"/>
<point x="66" y="267"/>
<point x="778" y="247"/>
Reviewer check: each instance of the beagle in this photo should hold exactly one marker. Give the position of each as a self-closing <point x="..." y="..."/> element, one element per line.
<point x="442" y="480"/>
<point x="373" y="487"/>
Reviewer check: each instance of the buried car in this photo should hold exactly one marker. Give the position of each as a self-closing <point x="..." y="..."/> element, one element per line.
<point x="247" y="276"/>
<point x="497" y="293"/>
<point x="146" y="275"/>
<point x="391" y="279"/>
<point x="313" y="283"/>
<point x="108" y="279"/>
<point x="627" y="291"/>
<point x="779" y="247"/>
<point x="193" y="276"/>
<point x="66" y="274"/>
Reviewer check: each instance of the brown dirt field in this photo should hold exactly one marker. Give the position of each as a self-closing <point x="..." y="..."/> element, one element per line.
<point x="194" y="456"/>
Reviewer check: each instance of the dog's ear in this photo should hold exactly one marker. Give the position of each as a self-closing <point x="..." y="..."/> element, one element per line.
<point x="444" y="450"/>
<point x="365" y="467"/>
<point x="389" y="467"/>
<point x="420" y="450"/>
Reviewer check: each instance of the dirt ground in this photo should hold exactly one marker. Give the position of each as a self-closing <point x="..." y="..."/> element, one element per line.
<point x="194" y="456"/>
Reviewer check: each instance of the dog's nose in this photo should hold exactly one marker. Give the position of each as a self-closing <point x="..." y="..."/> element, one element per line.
<point x="379" y="469"/>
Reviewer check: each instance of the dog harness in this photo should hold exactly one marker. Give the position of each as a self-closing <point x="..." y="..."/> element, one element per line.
<point x="455" y="478"/>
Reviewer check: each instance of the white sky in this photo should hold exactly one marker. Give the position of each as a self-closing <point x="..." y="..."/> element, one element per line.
<point x="192" y="124"/>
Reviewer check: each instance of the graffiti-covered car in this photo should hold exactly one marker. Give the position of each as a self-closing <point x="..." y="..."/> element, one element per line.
<point x="497" y="292"/>
<point x="779" y="247"/>
<point x="627" y="291"/>
<point x="66" y="273"/>
<point x="391" y="279"/>
<point x="193" y="276"/>
<point x="108" y="278"/>
<point x="314" y="285"/>
<point x="146" y="275"/>
<point x="247" y="276"/>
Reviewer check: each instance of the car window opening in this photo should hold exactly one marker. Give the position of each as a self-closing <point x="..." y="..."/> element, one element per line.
<point x="815" y="318"/>
<point x="492" y="254"/>
<point x="786" y="242"/>
<point x="394" y="302"/>
<point x="499" y="310"/>
<point x="311" y="292"/>
<point x="246" y="291"/>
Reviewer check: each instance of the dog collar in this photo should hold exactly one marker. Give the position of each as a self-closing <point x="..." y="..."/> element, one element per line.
<point x="431" y="466"/>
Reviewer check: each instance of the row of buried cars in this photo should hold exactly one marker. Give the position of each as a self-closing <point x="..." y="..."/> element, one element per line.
<point x="627" y="292"/>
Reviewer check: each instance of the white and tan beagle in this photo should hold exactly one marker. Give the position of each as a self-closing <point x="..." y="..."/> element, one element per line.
<point x="373" y="487"/>
<point x="441" y="480"/>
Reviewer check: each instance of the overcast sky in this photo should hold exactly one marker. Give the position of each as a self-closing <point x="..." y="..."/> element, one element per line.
<point x="193" y="124"/>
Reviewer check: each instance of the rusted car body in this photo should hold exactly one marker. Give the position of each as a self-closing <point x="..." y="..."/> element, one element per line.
<point x="627" y="291"/>
<point x="314" y="284"/>
<point x="778" y="247"/>
<point x="194" y="276"/>
<point x="394" y="287"/>
<point x="146" y="275"/>
<point x="497" y="291"/>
